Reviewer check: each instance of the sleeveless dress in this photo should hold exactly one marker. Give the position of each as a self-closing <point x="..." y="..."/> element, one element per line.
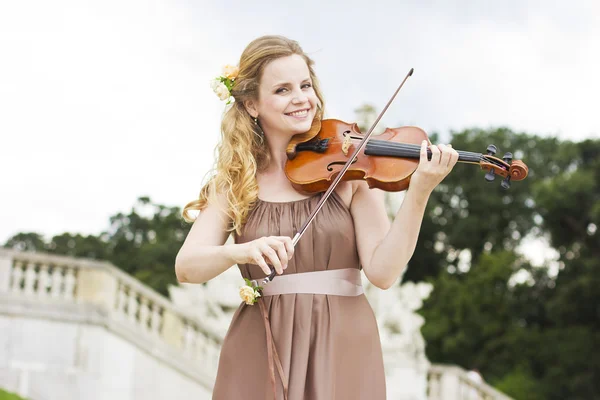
<point x="329" y="346"/>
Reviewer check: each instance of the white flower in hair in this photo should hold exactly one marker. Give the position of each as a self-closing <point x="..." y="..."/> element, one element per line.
<point x="223" y="84"/>
<point x="222" y="91"/>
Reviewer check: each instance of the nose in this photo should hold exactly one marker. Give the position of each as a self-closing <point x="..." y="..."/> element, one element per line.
<point x="299" y="97"/>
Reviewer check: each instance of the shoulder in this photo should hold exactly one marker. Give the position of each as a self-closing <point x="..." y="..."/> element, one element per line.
<point x="356" y="192"/>
<point x="363" y="197"/>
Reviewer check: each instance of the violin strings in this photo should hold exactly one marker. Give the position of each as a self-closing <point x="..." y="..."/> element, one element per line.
<point x="415" y="149"/>
<point x="408" y="146"/>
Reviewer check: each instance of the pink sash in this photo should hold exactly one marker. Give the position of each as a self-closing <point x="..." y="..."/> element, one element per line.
<point x="337" y="282"/>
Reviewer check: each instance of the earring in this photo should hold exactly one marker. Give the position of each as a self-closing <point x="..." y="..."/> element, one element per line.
<point x="260" y="132"/>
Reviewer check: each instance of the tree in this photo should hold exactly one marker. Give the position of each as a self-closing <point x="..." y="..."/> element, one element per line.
<point x="532" y="340"/>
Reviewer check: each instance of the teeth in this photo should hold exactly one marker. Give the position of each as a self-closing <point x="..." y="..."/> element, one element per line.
<point x="299" y="113"/>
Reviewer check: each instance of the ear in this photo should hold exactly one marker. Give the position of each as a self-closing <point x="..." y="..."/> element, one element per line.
<point x="250" y="106"/>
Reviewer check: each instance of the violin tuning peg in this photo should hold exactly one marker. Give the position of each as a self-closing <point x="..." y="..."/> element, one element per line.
<point x="505" y="183"/>
<point x="491" y="150"/>
<point x="507" y="158"/>
<point x="490" y="176"/>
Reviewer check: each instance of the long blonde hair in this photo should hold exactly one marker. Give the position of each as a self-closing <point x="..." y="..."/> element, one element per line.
<point x="243" y="150"/>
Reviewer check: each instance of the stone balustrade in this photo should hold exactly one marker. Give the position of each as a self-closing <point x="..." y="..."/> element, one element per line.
<point x="449" y="382"/>
<point x="128" y="307"/>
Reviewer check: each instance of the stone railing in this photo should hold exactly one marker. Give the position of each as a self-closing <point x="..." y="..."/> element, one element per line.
<point x="449" y="382"/>
<point x="118" y="301"/>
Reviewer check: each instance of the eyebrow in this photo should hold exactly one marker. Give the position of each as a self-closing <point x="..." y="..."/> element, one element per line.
<point x="287" y="83"/>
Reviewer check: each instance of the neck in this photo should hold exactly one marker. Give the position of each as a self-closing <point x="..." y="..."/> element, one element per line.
<point x="277" y="144"/>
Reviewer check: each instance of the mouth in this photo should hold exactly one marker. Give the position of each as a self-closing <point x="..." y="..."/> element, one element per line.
<point x="298" y="113"/>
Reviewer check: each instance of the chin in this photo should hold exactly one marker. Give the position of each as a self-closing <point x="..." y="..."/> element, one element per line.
<point x="303" y="126"/>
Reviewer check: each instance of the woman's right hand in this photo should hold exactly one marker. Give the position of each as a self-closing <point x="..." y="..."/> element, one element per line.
<point x="277" y="250"/>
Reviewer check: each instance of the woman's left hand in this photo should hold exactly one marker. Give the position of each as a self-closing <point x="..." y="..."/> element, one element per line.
<point x="430" y="173"/>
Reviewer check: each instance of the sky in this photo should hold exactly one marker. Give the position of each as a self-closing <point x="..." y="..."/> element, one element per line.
<point x="102" y="102"/>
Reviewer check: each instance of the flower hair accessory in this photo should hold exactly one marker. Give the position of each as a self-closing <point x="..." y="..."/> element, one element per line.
<point x="250" y="292"/>
<point x="223" y="84"/>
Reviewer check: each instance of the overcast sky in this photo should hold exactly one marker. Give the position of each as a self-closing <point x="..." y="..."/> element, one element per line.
<point x="105" y="101"/>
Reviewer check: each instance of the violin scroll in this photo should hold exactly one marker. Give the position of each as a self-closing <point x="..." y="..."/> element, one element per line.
<point x="506" y="168"/>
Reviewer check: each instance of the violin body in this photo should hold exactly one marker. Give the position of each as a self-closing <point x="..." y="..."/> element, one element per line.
<point x="386" y="162"/>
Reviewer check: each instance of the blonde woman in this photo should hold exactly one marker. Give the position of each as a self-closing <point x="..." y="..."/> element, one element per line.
<point x="312" y="333"/>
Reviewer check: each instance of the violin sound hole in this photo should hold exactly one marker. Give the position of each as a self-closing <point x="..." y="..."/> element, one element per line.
<point x="330" y="166"/>
<point x="349" y="133"/>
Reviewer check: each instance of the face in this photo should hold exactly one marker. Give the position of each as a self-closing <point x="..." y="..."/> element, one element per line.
<point x="287" y="102"/>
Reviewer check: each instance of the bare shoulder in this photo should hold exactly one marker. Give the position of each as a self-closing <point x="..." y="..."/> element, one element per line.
<point x="211" y="225"/>
<point x="365" y="200"/>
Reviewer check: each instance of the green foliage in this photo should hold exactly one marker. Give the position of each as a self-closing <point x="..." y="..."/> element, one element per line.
<point x="535" y="339"/>
<point x="4" y="395"/>
<point x="521" y="385"/>
<point x="465" y="212"/>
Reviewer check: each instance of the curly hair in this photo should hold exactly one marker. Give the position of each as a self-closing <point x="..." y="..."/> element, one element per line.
<point x="243" y="150"/>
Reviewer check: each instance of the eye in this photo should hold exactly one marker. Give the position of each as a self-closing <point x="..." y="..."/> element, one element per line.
<point x="307" y="85"/>
<point x="280" y="90"/>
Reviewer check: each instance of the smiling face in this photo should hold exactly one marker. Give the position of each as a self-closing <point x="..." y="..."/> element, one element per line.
<point x="287" y="102"/>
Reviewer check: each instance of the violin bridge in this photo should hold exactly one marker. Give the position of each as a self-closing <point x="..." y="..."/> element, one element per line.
<point x="346" y="144"/>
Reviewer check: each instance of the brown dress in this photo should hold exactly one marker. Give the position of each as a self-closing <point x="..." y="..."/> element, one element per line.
<point x="329" y="346"/>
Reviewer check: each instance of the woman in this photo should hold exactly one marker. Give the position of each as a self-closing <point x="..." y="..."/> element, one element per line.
<point x="312" y="334"/>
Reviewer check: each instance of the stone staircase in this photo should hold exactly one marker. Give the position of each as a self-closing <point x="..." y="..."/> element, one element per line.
<point x="81" y="329"/>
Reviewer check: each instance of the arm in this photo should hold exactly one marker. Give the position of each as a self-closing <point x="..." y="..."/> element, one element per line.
<point x="384" y="248"/>
<point x="204" y="254"/>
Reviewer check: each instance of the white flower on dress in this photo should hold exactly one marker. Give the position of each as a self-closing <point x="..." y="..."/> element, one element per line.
<point x="250" y="293"/>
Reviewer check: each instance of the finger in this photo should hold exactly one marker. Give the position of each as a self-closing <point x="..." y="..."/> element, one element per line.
<point x="453" y="158"/>
<point x="272" y="257"/>
<point x="444" y="155"/>
<point x="423" y="157"/>
<point x="289" y="247"/>
<point x="435" y="154"/>
<point x="279" y="247"/>
<point x="260" y="261"/>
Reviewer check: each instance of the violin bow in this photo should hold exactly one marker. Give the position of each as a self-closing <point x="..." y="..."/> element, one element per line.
<point x="339" y="176"/>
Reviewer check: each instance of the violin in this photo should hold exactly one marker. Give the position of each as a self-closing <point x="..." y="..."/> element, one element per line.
<point x="386" y="162"/>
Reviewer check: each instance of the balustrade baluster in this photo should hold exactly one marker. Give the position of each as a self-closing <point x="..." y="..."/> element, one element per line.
<point x="57" y="281"/>
<point x="17" y="276"/>
<point x="144" y="314"/>
<point x="155" y="319"/>
<point x="30" y="278"/>
<point x="121" y="299"/>
<point x="43" y="281"/>
<point x="69" y="288"/>
<point x="132" y="305"/>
